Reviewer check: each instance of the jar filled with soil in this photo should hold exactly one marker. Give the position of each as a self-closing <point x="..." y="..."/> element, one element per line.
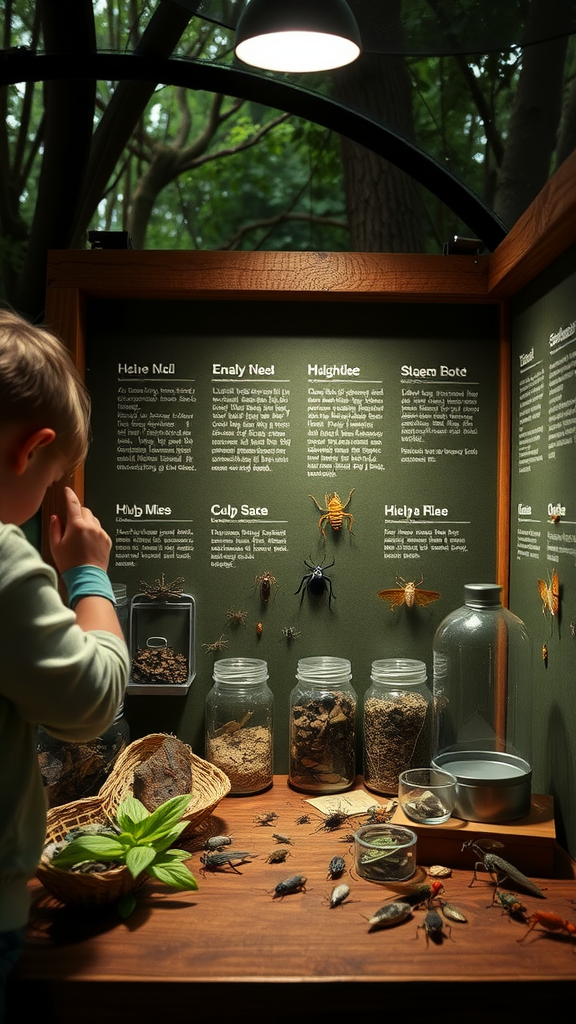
<point x="239" y="712"/>
<point x="397" y="722"/>
<point x="322" y="726"/>
<point x="72" y="771"/>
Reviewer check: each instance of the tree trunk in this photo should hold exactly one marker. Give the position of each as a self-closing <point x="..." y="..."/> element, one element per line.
<point x="533" y="123"/>
<point x="68" y="25"/>
<point x="384" y="208"/>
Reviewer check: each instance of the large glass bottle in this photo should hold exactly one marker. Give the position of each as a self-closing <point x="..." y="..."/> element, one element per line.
<point x="483" y="708"/>
<point x="239" y="712"/>
<point x="322" y="726"/>
<point x="397" y="722"/>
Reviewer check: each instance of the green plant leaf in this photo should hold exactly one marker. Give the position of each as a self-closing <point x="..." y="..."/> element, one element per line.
<point x="164" y="843"/>
<point x="130" y="812"/>
<point x="139" y="858"/>
<point x="126" y="904"/>
<point x="100" y="847"/>
<point x="173" y="873"/>
<point x="163" y="820"/>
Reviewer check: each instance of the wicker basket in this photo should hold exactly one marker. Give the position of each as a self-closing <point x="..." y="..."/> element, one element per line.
<point x="209" y="786"/>
<point x="72" y="887"/>
<point x="209" y="783"/>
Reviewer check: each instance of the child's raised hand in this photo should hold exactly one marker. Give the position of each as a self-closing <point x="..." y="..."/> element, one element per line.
<point x="81" y="540"/>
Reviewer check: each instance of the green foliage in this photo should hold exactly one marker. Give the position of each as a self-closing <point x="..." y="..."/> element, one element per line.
<point x="143" y="843"/>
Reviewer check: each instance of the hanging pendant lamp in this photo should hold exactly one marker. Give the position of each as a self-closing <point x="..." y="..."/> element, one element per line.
<point x="297" y="35"/>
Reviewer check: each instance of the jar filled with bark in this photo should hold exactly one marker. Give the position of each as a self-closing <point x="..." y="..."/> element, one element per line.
<point x="322" y="726"/>
<point x="239" y="713"/>
<point x="397" y="722"/>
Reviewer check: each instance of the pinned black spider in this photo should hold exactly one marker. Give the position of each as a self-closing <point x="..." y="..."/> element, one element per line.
<point x="316" y="582"/>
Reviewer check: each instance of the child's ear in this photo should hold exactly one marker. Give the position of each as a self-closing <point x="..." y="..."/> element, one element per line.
<point x="29" y="444"/>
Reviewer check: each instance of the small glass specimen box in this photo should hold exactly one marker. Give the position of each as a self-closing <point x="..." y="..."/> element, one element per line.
<point x="162" y="643"/>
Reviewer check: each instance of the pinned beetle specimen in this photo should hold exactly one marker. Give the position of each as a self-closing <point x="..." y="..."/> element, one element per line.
<point x="408" y="594"/>
<point x="290" y="634"/>
<point x="265" y="583"/>
<point x="499" y="869"/>
<point x="316" y="582"/>
<point x="334" y="512"/>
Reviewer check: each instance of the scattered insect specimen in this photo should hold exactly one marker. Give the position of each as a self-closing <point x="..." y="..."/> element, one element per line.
<point x="265" y="583"/>
<point x="160" y="590"/>
<point x="290" y="634"/>
<point x="551" y="922"/>
<point x="333" y="821"/>
<point x="268" y="818"/>
<point x="304" y="819"/>
<point x="217" y="842"/>
<point x="545" y="654"/>
<point x="389" y="915"/>
<point x="550" y="594"/>
<point x="316" y="582"/>
<point x="433" y="926"/>
<point x="452" y="913"/>
<point x="218" y="645"/>
<point x="439" y="871"/>
<point x="336" y="867"/>
<point x="499" y="869"/>
<point x="284" y="840"/>
<point x="278" y="856"/>
<point x="259" y="629"/>
<point x="334" y="512"/>
<point x="378" y="815"/>
<point x="235" y="618"/>
<point x="296" y="883"/>
<point x="573" y="629"/>
<point x="339" y="894"/>
<point x="423" y="893"/>
<point x="510" y="904"/>
<point x="408" y="594"/>
<point x="220" y="861"/>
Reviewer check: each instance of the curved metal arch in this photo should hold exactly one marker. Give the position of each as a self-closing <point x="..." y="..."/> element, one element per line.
<point x="18" y="66"/>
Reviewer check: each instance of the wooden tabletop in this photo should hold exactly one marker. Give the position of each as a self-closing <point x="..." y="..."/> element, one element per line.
<point x="233" y="932"/>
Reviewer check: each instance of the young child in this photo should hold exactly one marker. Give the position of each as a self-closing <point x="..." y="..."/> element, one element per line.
<point x="63" y="668"/>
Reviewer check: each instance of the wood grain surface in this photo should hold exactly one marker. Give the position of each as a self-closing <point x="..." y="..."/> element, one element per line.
<point x="233" y="931"/>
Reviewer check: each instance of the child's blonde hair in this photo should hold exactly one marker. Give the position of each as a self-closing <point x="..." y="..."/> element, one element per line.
<point x="40" y="386"/>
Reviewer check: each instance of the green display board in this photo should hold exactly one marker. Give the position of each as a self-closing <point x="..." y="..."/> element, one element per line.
<point x="543" y="544"/>
<point x="223" y="431"/>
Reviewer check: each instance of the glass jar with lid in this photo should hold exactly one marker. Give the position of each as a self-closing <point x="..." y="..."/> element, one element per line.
<point x="397" y="722"/>
<point x="239" y="713"/>
<point x="322" y="726"/>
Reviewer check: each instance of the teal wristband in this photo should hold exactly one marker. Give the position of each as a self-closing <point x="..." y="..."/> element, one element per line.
<point x="87" y="581"/>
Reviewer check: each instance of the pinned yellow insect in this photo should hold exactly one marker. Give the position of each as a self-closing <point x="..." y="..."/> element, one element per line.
<point x="550" y="594"/>
<point x="408" y="594"/>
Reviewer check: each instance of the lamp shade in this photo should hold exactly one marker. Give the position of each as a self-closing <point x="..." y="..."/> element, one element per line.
<point x="297" y="35"/>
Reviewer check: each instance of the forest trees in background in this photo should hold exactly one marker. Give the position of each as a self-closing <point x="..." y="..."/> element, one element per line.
<point x="186" y="169"/>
